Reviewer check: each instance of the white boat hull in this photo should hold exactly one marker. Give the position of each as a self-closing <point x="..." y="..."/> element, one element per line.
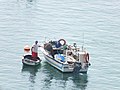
<point x="59" y="65"/>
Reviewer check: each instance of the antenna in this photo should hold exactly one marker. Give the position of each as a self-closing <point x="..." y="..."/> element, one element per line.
<point x="83" y="42"/>
<point x="45" y="39"/>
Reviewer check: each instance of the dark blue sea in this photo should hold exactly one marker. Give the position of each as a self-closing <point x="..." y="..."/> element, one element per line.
<point x="92" y="23"/>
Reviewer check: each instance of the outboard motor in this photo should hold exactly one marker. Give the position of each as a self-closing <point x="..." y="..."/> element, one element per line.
<point x="77" y="66"/>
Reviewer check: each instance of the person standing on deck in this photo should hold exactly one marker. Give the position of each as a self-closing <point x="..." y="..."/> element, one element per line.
<point x="34" y="50"/>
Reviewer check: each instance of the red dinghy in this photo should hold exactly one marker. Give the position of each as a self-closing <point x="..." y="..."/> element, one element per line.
<point x="28" y="59"/>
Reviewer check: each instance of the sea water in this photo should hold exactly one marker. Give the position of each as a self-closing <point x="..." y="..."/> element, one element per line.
<point x="94" y="24"/>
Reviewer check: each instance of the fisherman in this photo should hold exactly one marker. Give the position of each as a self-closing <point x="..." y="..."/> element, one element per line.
<point x="49" y="48"/>
<point x="34" y="50"/>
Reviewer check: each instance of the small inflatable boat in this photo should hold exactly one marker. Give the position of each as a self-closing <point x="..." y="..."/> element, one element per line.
<point x="28" y="60"/>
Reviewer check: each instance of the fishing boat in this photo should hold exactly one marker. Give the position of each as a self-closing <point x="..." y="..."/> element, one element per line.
<point x="64" y="57"/>
<point x="27" y="58"/>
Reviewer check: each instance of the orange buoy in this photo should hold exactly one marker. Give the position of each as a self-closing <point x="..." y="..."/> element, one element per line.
<point x="26" y="48"/>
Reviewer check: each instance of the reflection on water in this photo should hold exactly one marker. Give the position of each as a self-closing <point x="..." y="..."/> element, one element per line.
<point x="52" y="78"/>
<point x="32" y="70"/>
<point x="78" y="80"/>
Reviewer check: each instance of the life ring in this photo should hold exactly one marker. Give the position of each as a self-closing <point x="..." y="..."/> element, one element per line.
<point x="87" y="57"/>
<point x="62" y="41"/>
